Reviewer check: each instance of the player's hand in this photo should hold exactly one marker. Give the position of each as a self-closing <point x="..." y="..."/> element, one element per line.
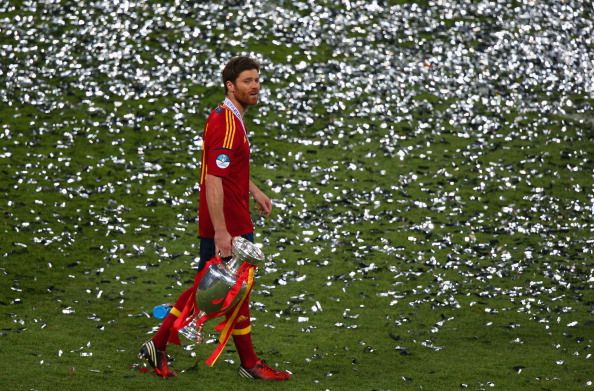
<point x="223" y="244"/>
<point x="263" y="203"/>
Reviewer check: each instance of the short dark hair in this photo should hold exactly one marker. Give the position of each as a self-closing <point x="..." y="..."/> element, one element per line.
<point x="237" y="65"/>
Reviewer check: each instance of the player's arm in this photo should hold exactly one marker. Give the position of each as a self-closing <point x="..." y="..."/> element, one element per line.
<point x="214" y="199"/>
<point x="263" y="203"/>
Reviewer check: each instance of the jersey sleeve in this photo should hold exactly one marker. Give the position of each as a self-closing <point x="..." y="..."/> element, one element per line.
<point x="219" y="136"/>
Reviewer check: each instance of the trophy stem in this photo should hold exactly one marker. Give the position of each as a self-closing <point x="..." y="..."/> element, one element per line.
<point x="193" y="331"/>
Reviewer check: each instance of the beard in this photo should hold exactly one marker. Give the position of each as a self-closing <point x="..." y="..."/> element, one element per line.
<point x="247" y="99"/>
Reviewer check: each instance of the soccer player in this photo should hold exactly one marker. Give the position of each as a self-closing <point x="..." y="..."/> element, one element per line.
<point x="223" y="212"/>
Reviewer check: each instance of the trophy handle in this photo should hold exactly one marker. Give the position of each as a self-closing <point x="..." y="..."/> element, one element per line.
<point x="244" y="251"/>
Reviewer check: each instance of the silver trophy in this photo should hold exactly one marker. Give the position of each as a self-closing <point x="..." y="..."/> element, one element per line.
<point x="216" y="283"/>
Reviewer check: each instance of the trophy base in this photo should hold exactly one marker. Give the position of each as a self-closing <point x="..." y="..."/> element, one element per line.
<point x="193" y="332"/>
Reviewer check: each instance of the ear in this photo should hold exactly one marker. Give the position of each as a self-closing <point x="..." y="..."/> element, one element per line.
<point x="230" y="86"/>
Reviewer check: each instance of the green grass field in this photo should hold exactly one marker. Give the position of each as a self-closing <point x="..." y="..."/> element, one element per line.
<point x="430" y="164"/>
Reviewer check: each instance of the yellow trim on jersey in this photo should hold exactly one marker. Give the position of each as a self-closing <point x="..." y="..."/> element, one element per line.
<point x="204" y="168"/>
<point x="230" y="131"/>
<point x="243" y="331"/>
<point x="226" y="129"/>
<point x="175" y="312"/>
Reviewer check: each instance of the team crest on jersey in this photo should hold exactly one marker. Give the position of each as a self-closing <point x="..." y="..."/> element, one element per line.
<point x="223" y="161"/>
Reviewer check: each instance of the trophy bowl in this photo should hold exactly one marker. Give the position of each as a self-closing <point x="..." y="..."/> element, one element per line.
<point x="221" y="277"/>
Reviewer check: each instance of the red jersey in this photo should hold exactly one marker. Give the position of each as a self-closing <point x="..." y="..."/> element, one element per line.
<point x="226" y="154"/>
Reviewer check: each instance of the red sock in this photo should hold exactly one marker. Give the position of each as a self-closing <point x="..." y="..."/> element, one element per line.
<point x="242" y="337"/>
<point x="162" y="335"/>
